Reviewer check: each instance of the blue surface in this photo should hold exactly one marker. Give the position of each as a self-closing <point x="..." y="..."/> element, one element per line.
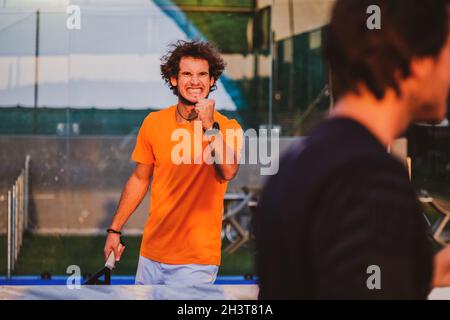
<point x="115" y="280"/>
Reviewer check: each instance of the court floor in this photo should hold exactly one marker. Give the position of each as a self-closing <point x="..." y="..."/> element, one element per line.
<point x="35" y="280"/>
<point x="122" y="288"/>
<point x="129" y="292"/>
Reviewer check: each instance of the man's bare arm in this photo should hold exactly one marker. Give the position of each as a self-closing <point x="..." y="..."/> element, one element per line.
<point x="226" y="171"/>
<point x="132" y="195"/>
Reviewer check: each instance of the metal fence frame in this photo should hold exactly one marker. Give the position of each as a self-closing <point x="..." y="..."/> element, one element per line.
<point x="17" y="216"/>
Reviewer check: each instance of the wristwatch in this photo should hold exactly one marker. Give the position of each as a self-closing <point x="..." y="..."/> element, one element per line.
<point x="214" y="130"/>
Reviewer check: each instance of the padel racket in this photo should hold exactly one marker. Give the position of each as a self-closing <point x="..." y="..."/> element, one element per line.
<point x="105" y="271"/>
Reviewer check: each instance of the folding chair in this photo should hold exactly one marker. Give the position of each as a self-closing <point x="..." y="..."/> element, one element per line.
<point x="230" y="218"/>
<point x="443" y="208"/>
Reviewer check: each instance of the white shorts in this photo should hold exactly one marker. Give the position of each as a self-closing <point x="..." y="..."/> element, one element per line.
<point x="154" y="273"/>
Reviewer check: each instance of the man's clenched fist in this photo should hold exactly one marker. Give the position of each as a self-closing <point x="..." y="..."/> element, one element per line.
<point x="205" y="112"/>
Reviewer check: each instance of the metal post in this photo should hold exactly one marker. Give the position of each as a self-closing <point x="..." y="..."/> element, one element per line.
<point x="292" y="65"/>
<point x="9" y="235"/>
<point x="27" y="172"/>
<point x="36" y="74"/>
<point x="14" y="226"/>
<point x="19" y="211"/>
<point x="271" y="67"/>
<point x="17" y="205"/>
<point x="18" y="214"/>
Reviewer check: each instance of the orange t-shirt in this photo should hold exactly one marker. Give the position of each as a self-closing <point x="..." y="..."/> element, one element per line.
<point x="186" y="200"/>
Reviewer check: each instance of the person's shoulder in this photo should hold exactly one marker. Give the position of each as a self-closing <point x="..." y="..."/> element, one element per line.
<point x="337" y="151"/>
<point x="344" y="133"/>
<point x="338" y="141"/>
<point x="158" y="116"/>
<point x="226" y="122"/>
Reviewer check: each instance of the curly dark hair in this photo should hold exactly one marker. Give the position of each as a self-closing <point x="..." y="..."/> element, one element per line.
<point x="170" y="62"/>
<point x="410" y="28"/>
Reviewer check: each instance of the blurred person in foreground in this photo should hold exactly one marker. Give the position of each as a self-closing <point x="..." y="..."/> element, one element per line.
<point x="341" y="208"/>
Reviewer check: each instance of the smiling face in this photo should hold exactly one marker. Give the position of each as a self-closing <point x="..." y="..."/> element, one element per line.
<point x="193" y="81"/>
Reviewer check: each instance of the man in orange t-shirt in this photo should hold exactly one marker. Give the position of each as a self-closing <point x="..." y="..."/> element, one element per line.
<point x="182" y="236"/>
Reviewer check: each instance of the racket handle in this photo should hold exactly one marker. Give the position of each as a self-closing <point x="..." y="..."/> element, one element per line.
<point x="112" y="259"/>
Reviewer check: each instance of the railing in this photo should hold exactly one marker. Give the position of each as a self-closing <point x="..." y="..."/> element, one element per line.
<point x="17" y="218"/>
<point x="237" y="216"/>
<point x="441" y="206"/>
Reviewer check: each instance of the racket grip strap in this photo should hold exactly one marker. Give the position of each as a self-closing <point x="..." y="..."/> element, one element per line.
<point x="113" y="231"/>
